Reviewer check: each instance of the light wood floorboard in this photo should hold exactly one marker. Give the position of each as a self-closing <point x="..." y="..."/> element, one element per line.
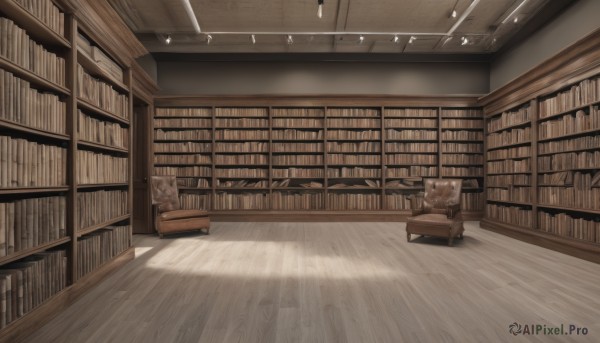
<point x="333" y="282"/>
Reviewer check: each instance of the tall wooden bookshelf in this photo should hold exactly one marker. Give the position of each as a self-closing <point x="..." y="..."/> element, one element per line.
<point x="283" y="158"/>
<point x="65" y="185"/>
<point x="543" y="167"/>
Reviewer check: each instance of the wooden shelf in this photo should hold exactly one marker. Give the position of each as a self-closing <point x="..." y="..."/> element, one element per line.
<point x="504" y="128"/>
<point x="298" y="188"/>
<point x="463" y="128"/>
<point x="570" y="209"/>
<point x="509" y="145"/>
<point x="568" y="135"/>
<point x="182" y="188"/>
<point x="570" y="169"/>
<point x="7" y="124"/>
<point x="508" y="158"/>
<point x="510" y="173"/>
<point x="569" y="111"/>
<point x="90" y="229"/>
<point x="36" y="29"/>
<point x="411" y="152"/>
<point x="242" y="189"/>
<point x="106" y="148"/>
<point x="27" y="252"/>
<point x="87" y="106"/>
<point x="92" y="68"/>
<point x="566" y="151"/>
<point x="241" y="153"/>
<point x="510" y="202"/>
<point x="102" y="185"/>
<point x="36" y="80"/>
<point x="33" y="190"/>
<point x="186" y="164"/>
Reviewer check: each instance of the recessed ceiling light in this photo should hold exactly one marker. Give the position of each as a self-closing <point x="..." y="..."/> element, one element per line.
<point x="168" y="40"/>
<point x="454" y="14"/>
<point x="464" y="40"/>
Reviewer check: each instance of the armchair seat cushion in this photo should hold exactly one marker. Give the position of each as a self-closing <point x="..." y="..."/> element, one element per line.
<point x="182" y="214"/>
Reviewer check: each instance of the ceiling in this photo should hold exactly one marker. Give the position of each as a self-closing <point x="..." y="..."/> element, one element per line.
<point x="230" y="24"/>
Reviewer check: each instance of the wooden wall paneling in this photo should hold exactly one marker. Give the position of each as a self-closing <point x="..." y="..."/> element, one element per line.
<point x="383" y="157"/>
<point x="213" y="174"/>
<point x="325" y="159"/>
<point x="534" y="163"/>
<point x="72" y="120"/>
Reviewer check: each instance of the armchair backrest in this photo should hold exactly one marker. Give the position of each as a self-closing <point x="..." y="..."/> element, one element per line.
<point x="441" y="193"/>
<point x="165" y="193"/>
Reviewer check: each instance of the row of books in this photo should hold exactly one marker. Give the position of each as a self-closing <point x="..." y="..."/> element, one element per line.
<point x="580" y="143"/>
<point x="510" y="153"/>
<point x="296" y="122"/>
<point x="472" y="201"/>
<point x="509" y="166"/>
<point x="195" y="201"/>
<point x="353" y="135"/>
<point x="565" y="225"/>
<point x="184" y="134"/>
<point x="192" y="182"/>
<point x="353" y="159"/>
<point x="462" y="112"/>
<point x="583" y="93"/>
<point x="182" y="123"/>
<point x="515" y="215"/>
<point x="354" y="184"/>
<point x="241" y="123"/>
<point x="241" y="172"/>
<point x="512" y="136"/>
<point x="509" y="118"/>
<point x="506" y="180"/>
<point x="462" y="124"/>
<point x="297" y="112"/>
<point x="252" y="159"/>
<point x="293" y="134"/>
<point x="515" y="194"/>
<point x="462" y="135"/>
<point x="411" y="147"/>
<point x="297" y="200"/>
<point x="569" y="124"/>
<point x="374" y="147"/>
<point x="28" y="164"/>
<point x="398" y="201"/>
<point x="405" y="183"/>
<point x="462" y="159"/>
<point x="183" y="159"/>
<point x="101" y="94"/>
<point x="241" y="112"/>
<point x="102" y="132"/>
<point x="193" y="147"/>
<point x="28" y="283"/>
<point x="412" y="112"/>
<point x="17" y="47"/>
<point x="27" y="223"/>
<point x="22" y="104"/>
<point x="411" y="159"/>
<point x="412" y="171"/>
<point x="95" y="168"/>
<point x="100" y="206"/>
<point x="296" y="147"/>
<point x="241" y="201"/>
<point x="101" y="246"/>
<point x="570" y="178"/>
<point x="353" y="112"/>
<point x="241" y="134"/>
<point x="353" y="123"/>
<point x="243" y="183"/>
<point x="570" y="160"/>
<point x="411" y="135"/>
<point x="298" y="172"/>
<point x="297" y="159"/>
<point x="581" y="196"/>
<point x="47" y="12"/>
<point x="462" y="171"/>
<point x="195" y="171"/>
<point x="462" y="147"/>
<point x="354" y="201"/>
<point x="183" y="112"/>
<point x="411" y="123"/>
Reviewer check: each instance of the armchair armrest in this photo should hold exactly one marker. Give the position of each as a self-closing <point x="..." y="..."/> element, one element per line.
<point x="453" y="211"/>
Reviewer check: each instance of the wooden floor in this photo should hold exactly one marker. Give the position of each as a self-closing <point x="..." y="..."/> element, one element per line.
<point x="333" y="282"/>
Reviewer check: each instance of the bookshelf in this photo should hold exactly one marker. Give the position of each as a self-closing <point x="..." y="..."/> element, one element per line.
<point x="65" y="184"/>
<point x="543" y="170"/>
<point x="280" y="157"/>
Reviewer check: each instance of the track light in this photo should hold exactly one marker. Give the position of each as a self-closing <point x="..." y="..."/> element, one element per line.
<point x="361" y="39"/>
<point x="516" y="20"/>
<point x="253" y="39"/>
<point x="513" y="12"/>
<point x="320" y="9"/>
<point x="464" y="40"/>
<point x="290" y="40"/>
<point x="396" y="39"/>
<point x="454" y="14"/>
<point x="208" y="39"/>
<point x="168" y="40"/>
<point x="412" y="39"/>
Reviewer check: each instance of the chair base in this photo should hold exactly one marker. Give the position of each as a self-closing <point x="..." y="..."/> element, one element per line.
<point x="436" y="231"/>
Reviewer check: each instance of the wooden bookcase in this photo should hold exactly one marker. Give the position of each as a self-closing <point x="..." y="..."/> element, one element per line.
<point x="543" y="179"/>
<point x="274" y="158"/>
<point x="64" y="208"/>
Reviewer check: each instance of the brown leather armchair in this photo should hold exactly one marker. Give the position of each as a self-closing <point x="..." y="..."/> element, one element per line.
<point x="168" y="215"/>
<point x="439" y="215"/>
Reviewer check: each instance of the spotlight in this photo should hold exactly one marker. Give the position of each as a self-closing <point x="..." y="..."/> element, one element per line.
<point x="290" y="40"/>
<point x="516" y="20"/>
<point x="253" y="39"/>
<point x="208" y="39"/>
<point x="361" y="39"/>
<point x="396" y="39"/>
<point x="168" y="40"/>
<point x="412" y="39"/>
<point x="453" y="14"/>
<point x="464" y="40"/>
<point x="320" y="9"/>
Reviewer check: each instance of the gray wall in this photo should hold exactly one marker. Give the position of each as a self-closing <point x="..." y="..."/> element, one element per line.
<point x="148" y="63"/>
<point x="311" y="78"/>
<point x="578" y="20"/>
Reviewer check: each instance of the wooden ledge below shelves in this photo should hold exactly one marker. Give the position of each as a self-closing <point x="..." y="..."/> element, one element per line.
<point x="580" y="249"/>
<point x="18" y="330"/>
<point x="320" y="216"/>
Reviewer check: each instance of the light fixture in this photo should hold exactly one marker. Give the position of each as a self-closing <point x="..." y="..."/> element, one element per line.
<point x="513" y="12"/>
<point x="516" y="20"/>
<point x="453" y="14"/>
<point x="190" y="12"/>
<point x="290" y="40"/>
<point x="253" y="39"/>
<point x="396" y="39"/>
<point x="361" y="39"/>
<point x="168" y="40"/>
<point x="412" y="39"/>
<point x="208" y="39"/>
<point x="463" y="16"/>
<point x="464" y="40"/>
<point x="320" y="9"/>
